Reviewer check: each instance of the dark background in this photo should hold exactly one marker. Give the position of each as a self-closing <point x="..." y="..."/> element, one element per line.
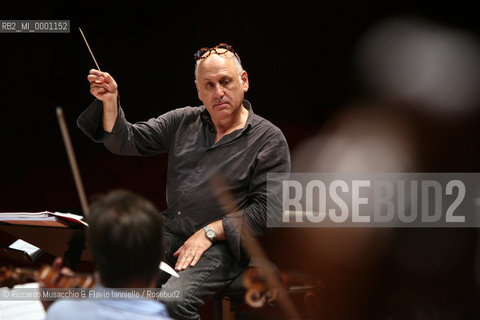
<point x="298" y="55"/>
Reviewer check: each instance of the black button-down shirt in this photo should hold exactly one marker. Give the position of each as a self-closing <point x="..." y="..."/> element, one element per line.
<point x="242" y="158"/>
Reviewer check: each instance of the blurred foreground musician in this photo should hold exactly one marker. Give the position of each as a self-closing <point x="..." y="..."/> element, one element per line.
<point x="125" y="239"/>
<point x="222" y="137"/>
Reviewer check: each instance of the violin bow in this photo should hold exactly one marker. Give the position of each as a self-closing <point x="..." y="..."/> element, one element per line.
<point x="73" y="161"/>
<point x="254" y="250"/>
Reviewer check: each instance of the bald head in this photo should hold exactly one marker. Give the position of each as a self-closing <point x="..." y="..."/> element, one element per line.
<point x="213" y="58"/>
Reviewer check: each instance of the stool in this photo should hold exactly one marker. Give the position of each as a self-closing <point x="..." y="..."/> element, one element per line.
<point x="225" y="302"/>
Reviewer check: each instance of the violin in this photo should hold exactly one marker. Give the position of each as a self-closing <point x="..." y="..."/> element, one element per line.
<point x="46" y="276"/>
<point x="261" y="289"/>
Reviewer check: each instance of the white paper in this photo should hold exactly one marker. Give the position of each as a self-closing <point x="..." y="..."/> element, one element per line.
<point x="24" y="246"/>
<point x="72" y="216"/>
<point x="37" y="216"/>
<point x="165" y="267"/>
<point x="22" y="310"/>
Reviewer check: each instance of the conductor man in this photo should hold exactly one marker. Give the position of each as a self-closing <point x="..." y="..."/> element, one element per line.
<point x="221" y="137"/>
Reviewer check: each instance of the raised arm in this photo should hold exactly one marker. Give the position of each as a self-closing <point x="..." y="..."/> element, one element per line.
<point x="104" y="88"/>
<point x="104" y="122"/>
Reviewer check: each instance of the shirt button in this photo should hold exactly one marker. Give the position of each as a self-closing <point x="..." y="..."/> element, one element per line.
<point x="179" y="212"/>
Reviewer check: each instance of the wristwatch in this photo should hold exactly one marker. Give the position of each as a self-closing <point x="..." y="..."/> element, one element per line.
<point x="210" y="233"/>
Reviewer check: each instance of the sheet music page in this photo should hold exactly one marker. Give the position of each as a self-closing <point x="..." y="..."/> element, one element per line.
<point x="22" y="310"/>
<point x="70" y="216"/>
<point x="39" y="216"/>
<point x="42" y="216"/>
<point x="21" y="245"/>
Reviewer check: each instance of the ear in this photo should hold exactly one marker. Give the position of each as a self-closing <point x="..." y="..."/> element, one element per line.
<point x="245" y="83"/>
<point x="198" y="89"/>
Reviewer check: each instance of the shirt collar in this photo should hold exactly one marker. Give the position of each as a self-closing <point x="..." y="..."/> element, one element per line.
<point x="248" y="106"/>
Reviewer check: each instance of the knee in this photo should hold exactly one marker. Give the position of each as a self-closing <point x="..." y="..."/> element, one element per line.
<point x="180" y="299"/>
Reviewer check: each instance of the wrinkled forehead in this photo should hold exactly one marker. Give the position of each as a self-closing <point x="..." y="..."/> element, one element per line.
<point x="217" y="64"/>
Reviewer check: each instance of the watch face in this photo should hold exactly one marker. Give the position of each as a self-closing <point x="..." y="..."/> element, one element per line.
<point x="211" y="234"/>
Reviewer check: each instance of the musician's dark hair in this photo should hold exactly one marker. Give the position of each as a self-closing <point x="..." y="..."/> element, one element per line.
<point x="125" y="239"/>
